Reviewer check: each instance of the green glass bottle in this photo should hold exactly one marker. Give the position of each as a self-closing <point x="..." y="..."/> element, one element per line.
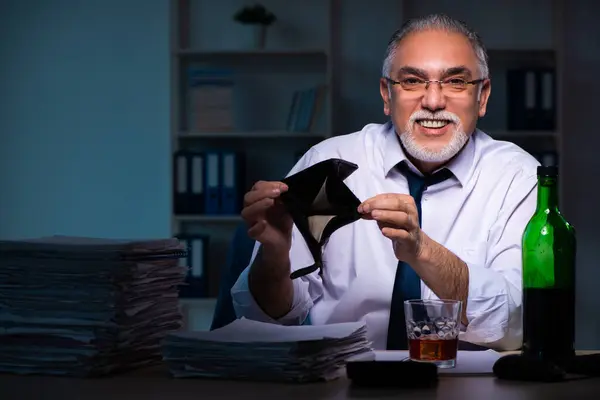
<point x="549" y="251"/>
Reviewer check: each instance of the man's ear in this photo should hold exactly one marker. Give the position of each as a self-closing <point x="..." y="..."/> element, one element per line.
<point x="484" y="95"/>
<point x="385" y="91"/>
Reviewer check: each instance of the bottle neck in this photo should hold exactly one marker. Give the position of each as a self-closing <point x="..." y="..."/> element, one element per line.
<point x="547" y="197"/>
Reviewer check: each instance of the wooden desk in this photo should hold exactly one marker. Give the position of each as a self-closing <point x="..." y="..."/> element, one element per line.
<point x="156" y="384"/>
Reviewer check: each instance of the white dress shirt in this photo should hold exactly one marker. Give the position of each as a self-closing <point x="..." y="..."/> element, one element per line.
<point x="479" y="215"/>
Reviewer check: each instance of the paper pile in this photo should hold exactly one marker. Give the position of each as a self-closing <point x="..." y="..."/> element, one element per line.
<point x="252" y="350"/>
<point x="86" y="307"/>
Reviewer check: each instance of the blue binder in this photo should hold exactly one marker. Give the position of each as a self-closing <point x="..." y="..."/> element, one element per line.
<point x="212" y="188"/>
<point x="197" y="279"/>
<point x="181" y="182"/>
<point x="196" y="196"/>
<point x="232" y="182"/>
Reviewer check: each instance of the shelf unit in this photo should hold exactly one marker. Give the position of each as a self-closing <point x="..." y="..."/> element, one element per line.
<point x="281" y="68"/>
<point x="208" y="218"/>
<point x="323" y="58"/>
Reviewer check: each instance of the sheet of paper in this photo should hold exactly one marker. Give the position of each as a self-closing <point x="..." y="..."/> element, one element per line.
<point x="246" y="330"/>
<point x="467" y="362"/>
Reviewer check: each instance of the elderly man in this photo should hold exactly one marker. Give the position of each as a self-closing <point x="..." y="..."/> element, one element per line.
<point x="460" y="238"/>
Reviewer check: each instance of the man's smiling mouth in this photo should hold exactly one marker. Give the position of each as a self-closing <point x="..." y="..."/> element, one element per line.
<point x="433" y="123"/>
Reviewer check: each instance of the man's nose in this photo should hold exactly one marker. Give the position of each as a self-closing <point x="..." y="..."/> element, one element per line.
<point x="433" y="98"/>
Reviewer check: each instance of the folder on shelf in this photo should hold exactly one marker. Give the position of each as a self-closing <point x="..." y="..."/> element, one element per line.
<point x="305" y="109"/>
<point x="181" y="180"/>
<point x="531" y="99"/>
<point x="522" y="96"/>
<point x="197" y="179"/>
<point x="547" y="109"/>
<point x="212" y="175"/>
<point x="196" y="281"/>
<point x="232" y="182"/>
<point x="210" y="99"/>
<point x="291" y="119"/>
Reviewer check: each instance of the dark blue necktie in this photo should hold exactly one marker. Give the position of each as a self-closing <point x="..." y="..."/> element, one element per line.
<point x="407" y="284"/>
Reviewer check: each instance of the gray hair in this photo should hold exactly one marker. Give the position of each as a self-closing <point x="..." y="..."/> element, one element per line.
<point x="437" y="22"/>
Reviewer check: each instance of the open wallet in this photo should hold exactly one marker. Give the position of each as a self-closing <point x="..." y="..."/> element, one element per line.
<point x="320" y="203"/>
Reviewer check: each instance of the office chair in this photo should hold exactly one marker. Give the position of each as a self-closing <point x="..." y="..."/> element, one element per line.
<point x="238" y="257"/>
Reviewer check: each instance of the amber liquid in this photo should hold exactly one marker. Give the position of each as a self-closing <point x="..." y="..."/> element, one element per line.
<point x="432" y="350"/>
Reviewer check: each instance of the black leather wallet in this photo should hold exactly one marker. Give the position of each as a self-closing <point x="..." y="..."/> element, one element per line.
<point x="392" y="374"/>
<point x="320" y="203"/>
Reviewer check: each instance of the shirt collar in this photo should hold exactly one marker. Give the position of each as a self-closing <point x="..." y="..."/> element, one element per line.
<point x="393" y="154"/>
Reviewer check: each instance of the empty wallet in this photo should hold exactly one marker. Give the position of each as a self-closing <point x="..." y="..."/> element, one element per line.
<point x="320" y="203"/>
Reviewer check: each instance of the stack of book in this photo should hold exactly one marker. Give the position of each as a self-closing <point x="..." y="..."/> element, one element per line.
<point x="76" y="306"/>
<point x="210" y="100"/>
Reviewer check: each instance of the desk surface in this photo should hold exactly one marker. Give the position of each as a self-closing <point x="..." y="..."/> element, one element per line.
<point x="156" y="384"/>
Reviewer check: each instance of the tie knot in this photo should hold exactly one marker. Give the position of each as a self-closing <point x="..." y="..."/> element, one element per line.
<point x="417" y="183"/>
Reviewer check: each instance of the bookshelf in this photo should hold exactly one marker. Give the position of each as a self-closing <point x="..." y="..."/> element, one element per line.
<point x="263" y="86"/>
<point x="313" y="39"/>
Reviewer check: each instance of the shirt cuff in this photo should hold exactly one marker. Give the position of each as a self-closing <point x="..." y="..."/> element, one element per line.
<point x="489" y="309"/>
<point x="245" y="305"/>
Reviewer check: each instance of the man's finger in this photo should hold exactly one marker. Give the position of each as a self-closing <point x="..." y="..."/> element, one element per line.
<point x="395" y="202"/>
<point x="265" y="192"/>
<point x="263" y="185"/>
<point x="256" y="209"/>
<point x="398" y="235"/>
<point x="396" y="219"/>
<point x="257" y="229"/>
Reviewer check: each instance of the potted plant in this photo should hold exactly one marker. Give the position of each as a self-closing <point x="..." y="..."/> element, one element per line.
<point x="259" y="18"/>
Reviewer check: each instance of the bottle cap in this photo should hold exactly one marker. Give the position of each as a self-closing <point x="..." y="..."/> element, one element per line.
<point x="547" y="170"/>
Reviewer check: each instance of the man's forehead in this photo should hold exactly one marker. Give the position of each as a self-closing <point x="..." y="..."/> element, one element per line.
<point x="435" y="52"/>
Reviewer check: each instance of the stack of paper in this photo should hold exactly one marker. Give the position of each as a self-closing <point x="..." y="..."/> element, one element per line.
<point x="252" y="350"/>
<point x="86" y="307"/>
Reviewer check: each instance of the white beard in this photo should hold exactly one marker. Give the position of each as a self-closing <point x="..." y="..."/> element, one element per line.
<point x="425" y="154"/>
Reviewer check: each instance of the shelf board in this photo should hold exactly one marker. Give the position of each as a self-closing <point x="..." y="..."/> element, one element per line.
<point x="251" y="134"/>
<point x="199" y="302"/>
<point x="209" y="218"/>
<point x="506" y="134"/>
<point x="523" y="58"/>
<point x="251" y="53"/>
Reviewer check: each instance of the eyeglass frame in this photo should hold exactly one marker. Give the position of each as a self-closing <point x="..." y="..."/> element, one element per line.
<point x="441" y="82"/>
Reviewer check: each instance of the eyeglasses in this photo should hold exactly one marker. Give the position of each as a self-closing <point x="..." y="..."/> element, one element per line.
<point x="449" y="86"/>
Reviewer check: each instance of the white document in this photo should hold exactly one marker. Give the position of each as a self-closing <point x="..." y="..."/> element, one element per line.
<point x="467" y="362"/>
<point x="246" y="330"/>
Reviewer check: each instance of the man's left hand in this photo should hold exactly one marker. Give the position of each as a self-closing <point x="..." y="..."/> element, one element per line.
<point x="398" y="220"/>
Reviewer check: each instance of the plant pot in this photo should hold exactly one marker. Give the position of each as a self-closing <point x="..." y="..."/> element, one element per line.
<point x="260" y="36"/>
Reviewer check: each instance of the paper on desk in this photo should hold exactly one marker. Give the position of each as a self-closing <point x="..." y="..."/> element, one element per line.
<point x="247" y="330"/>
<point x="467" y="362"/>
<point x="247" y="349"/>
<point x="87" y="306"/>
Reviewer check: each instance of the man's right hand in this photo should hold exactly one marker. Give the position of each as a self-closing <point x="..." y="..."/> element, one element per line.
<point x="271" y="225"/>
<point x="268" y="221"/>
